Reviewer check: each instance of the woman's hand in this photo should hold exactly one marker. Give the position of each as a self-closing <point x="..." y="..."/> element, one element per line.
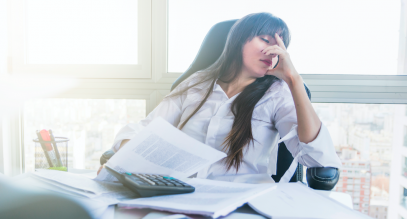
<point x="124" y="141"/>
<point x="285" y="69"/>
<point x="100" y="168"/>
<point x="308" y="121"/>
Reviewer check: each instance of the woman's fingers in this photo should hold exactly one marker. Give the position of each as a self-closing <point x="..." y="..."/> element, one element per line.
<point x="275" y="47"/>
<point x="273" y="50"/>
<point x="280" y="41"/>
<point x="100" y="168"/>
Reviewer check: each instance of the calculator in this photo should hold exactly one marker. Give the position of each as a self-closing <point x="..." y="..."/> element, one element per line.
<point x="148" y="185"/>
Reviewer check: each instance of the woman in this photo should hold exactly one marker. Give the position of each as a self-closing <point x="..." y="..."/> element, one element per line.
<point x="243" y="103"/>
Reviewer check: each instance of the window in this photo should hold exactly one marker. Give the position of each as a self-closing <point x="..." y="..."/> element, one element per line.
<point x="90" y="125"/>
<point x="326" y="23"/>
<point x="404" y="168"/>
<point x="88" y="39"/>
<point x="366" y="151"/>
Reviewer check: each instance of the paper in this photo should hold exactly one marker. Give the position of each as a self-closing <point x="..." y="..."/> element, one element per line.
<point x="81" y="182"/>
<point x="109" y="213"/>
<point x="58" y="187"/>
<point x="165" y="215"/>
<point x="211" y="198"/>
<point x="81" y="186"/>
<point x="295" y="200"/>
<point x="162" y="149"/>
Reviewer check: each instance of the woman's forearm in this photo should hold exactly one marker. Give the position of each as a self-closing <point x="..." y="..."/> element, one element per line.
<point x="308" y="121"/>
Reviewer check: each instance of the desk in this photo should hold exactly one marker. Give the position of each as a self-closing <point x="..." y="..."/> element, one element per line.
<point x="120" y="213"/>
<point x="140" y="213"/>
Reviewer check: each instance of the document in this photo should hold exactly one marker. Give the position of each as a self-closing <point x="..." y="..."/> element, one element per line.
<point x="162" y="149"/>
<point x="81" y="182"/>
<point x="77" y="185"/>
<point x="295" y="200"/>
<point x="211" y="198"/>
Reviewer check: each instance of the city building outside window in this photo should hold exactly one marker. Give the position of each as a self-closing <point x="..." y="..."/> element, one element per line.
<point x="403" y="200"/>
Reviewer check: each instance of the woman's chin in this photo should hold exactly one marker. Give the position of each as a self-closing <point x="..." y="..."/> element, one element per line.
<point x="261" y="74"/>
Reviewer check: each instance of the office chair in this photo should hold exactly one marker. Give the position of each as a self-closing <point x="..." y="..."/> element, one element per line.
<point x="321" y="178"/>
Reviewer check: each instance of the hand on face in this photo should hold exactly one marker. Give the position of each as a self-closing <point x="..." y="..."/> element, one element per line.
<point x="285" y="69"/>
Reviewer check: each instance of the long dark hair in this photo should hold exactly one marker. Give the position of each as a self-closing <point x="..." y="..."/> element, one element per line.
<point x="227" y="68"/>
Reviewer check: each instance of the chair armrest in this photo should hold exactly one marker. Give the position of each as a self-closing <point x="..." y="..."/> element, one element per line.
<point x="322" y="178"/>
<point x="106" y="156"/>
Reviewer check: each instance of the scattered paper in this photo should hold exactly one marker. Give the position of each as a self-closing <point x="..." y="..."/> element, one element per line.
<point x="280" y="202"/>
<point x="211" y="198"/>
<point x="162" y="149"/>
<point x="81" y="182"/>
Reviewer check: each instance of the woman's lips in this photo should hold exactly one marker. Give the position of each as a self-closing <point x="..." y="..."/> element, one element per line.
<point x="267" y="63"/>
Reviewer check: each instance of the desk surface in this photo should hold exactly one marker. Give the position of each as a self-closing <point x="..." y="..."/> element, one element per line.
<point x="140" y="213"/>
<point x="120" y="213"/>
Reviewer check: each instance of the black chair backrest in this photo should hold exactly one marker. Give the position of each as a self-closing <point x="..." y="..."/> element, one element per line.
<point x="210" y="50"/>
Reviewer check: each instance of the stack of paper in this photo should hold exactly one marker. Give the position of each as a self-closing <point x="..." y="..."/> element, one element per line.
<point x="211" y="198"/>
<point x="108" y="192"/>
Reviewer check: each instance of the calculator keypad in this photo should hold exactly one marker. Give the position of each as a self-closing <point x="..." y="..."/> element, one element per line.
<point x="158" y="180"/>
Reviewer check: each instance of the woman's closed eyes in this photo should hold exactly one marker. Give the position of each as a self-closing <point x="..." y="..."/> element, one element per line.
<point x="265" y="40"/>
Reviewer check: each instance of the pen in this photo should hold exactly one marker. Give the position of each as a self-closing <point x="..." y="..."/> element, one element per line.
<point x="44" y="149"/>
<point x="51" y="153"/>
<point x="51" y="135"/>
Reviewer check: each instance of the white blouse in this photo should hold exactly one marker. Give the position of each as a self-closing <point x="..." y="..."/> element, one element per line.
<point x="274" y="116"/>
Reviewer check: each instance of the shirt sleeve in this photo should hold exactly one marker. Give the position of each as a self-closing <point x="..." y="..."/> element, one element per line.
<point x="169" y="109"/>
<point x="318" y="153"/>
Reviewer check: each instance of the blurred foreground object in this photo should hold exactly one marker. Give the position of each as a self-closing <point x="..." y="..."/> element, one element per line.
<point x="21" y="202"/>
